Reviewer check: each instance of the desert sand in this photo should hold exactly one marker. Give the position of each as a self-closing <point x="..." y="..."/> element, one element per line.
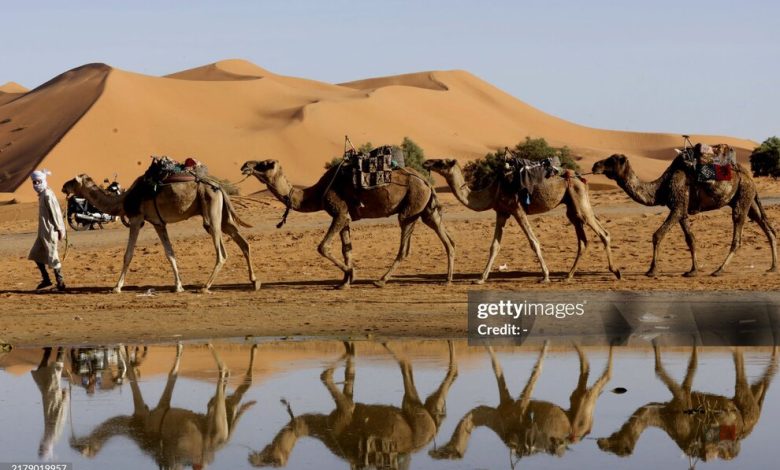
<point x="297" y="297"/>
<point x="101" y="120"/>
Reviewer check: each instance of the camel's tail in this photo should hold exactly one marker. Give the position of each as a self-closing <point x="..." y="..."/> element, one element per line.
<point x="228" y="206"/>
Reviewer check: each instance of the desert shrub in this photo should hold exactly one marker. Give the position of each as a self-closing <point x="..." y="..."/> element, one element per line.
<point x="765" y="159"/>
<point x="480" y="173"/>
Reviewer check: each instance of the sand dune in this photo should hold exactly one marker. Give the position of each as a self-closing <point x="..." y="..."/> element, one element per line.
<point x="99" y="120"/>
<point x="33" y="124"/>
<point x="11" y="91"/>
<point x="12" y="87"/>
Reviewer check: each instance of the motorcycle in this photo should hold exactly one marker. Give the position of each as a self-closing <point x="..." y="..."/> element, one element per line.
<point x="84" y="216"/>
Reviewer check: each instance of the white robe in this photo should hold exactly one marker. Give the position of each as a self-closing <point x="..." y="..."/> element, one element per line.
<point x="50" y="225"/>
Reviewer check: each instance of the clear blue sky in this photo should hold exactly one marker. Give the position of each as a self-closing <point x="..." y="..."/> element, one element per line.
<point x="677" y="66"/>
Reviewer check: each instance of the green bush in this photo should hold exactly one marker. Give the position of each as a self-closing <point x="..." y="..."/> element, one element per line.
<point x="482" y="171"/>
<point x="765" y="159"/>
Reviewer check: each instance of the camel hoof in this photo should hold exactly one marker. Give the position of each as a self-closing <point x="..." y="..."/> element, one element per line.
<point x="568" y="278"/>
<point x="205" y="290"/>
<point x="544" y="280"/>
<point x="717" y="273"/>
<point x="179" y="289"/>
<point x="343" y="285"/>
<point x="256" y="285"/>
<point x="617" y="274"/>
<point x="380" y="283"/>
<point x="448" y="283"/>
<point x="691" y="273"/>
<point x="116" y="290"/>
<point x="651" y="273"/>
<point x="773" y="269"/>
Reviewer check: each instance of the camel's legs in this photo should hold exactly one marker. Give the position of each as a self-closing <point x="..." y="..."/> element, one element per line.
<point x="433" y="220"/>
<point x="217" y="427"/>
<point x="165" y="398"/>
<point x="522" y="219"/>
<point x="756" y="215"/>
<point x="503" y="390"/>
<point x="738" y="217"/>
<point x="525" y="396"/>
<point x="162" y="232"/>
<point x="659" y="235"/>
<point x="232" y="231"/>
<point x="343" y="402"/>
<point x="436" y="402"/>
<point x="582" y="237"/>
<point x="336" y="225"/>
<point x="411" y="403"/>
<point x="495" y="245"/>
<point x="346" y="252"/>
<point x="215" y="214"/>
<point x="232" y="401"/>
<point x="595" y="225"/>
<point x="681" y="393"/>
<point x="685" y="225"/>
<point x="407" y="227"/>
<point x="135" y="228"/>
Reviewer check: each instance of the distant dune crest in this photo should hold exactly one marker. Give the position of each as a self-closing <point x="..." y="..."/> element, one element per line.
<point x="225" y="70"/>
<point x="12" y="87"/>
<point x="98" y="120"/>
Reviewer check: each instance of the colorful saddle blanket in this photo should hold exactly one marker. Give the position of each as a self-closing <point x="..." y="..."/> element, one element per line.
<point x="711" y="163"/>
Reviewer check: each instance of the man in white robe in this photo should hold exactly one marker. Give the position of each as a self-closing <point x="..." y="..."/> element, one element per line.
<point x="51" y="229"/>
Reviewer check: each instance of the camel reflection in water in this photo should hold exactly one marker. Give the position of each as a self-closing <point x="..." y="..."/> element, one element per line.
<point x="530" y="426"/>
<point x="175" y="437"/>
<point x="705" y="426"/>
<point x="367" y="436"/>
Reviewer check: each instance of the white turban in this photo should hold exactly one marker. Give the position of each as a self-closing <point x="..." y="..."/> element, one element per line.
<point x="40" y="176"/>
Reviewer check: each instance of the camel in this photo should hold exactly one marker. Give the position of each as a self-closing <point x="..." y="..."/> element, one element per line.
<point x="530" y="426"/>
<point x="174" y="202"/>
<point x="175" y="437"/>
<point x="551" y="193"/>
<point x="679" y="190"/>
<point x="409" y="195"/>
<point x="367" y="436"/>
<point x="705" y="426"/>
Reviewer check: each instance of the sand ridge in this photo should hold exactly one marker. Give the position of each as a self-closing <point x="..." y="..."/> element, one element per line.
<point x="232" y="111"/>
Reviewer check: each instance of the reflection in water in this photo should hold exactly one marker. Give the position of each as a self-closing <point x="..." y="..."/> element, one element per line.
<point x="367" y="436"/>
<point x="555" y="410"/>
<point x="705" y="426"/>
<point x="55" y="400"/>
<point x="530" y="426"/>
<point x="175" y="437"/>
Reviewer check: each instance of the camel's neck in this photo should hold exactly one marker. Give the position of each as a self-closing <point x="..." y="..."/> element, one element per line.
<point x="104" y="201"/>
<point x="479" y="416"/>
<point x="481" y="200"/>
<point x="628" y="435"/>
<point x="301" y="200"/>
<point x="640" y="191"/>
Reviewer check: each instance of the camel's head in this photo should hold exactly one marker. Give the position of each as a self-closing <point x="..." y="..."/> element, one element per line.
<point x="619" y="445"/>
<point x="442" y="166"/>
<point x="75" y="185"/>
<point x="264" y="170"/>
<point x="271" y="456"/>
<point x="612" y="167"/>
